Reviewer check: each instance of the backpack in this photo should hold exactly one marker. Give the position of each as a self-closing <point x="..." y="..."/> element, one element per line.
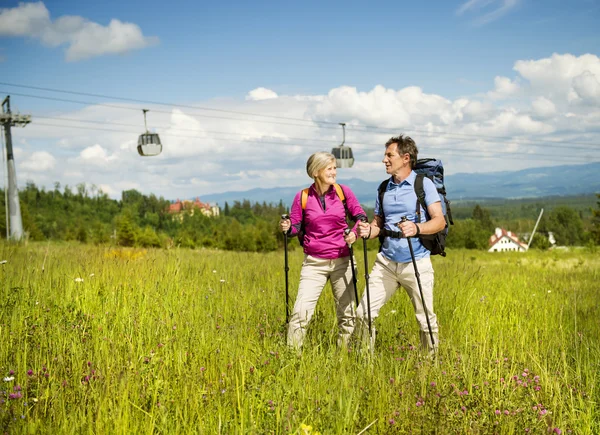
<point x="304" y="198"/>
<point x="434" y="170"/>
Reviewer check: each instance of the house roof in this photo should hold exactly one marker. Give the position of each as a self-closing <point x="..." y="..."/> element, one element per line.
<point x="502" y="233"/>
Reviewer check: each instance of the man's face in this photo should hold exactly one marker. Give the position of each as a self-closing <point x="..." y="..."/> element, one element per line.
<point x="395" y="162"/>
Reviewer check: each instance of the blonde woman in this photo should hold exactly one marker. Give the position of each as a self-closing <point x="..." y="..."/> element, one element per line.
<point x="321" y="224"/>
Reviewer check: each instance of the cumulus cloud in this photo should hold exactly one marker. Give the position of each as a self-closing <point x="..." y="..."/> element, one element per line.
<point x="504" y="88"/>
<point x="486" y="11"/>
<point x="261" y="94"/>
<point x="554" y="76"/>
<point x="38" y="161"/>
<point x="84" y="39"/>
<point x="543" y="108"/>
<point x="587" y="87"/>
<point x="548" y="100"/>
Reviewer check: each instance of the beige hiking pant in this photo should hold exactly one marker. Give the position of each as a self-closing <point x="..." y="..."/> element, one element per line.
<point x="385" y="278"/>
<point x="313" y="277"/>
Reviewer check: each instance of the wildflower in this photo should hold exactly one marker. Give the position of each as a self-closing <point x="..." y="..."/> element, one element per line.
<point x="202" y="369"/>
<point x="3" y="262"/>
<point x="222" y="280"/>
<point x="391" y="421"/>
<point x="432" y="384"/>
<point x="557" y="431"/>
<point x="419" y="403"/>
<point x="78" y="279"/>
<point x="497" y="412"/>
<point x="29" y="372"/>
<point x="9" y="378"/>
<point x="91" y="274"/>
<point x="524" y="374"/>
<point x="463" y="408"/>
<point x="391" y="380"/>
<point x="11" y="372"/>
<point x="506" y="412"/>
<point x="214" y="271"/>
<point x="251" y="369"/>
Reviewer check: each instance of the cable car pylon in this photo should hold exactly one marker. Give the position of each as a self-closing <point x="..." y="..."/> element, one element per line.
<point x="343" y="154"/>
<point x="148" y="143"/>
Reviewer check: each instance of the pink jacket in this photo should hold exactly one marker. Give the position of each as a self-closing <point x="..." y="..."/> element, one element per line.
<point x="324" y="225"/>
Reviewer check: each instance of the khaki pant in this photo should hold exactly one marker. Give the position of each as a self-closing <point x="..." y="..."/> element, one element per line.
<point x="313" y="277"/>
<point x="386" y="277"/>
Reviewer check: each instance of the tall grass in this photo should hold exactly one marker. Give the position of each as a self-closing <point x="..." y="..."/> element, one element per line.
<point x="97" y="340"/>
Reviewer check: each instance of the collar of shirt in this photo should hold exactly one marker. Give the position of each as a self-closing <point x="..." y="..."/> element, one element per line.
<point x="408" y="180"/>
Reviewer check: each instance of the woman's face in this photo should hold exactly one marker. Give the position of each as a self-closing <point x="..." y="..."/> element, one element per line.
<point x="328" y="174"/>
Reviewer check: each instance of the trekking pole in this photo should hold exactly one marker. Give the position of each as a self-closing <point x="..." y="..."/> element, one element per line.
<point x="346" y="232"/>
<point x="414" y="262"/>
<point x="367" y="282"/>
<point x="285" y="248"/>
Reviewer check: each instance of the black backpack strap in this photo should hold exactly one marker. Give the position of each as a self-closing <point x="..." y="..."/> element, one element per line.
<point x="380" y="192"/>
<point x="420" y="192"/>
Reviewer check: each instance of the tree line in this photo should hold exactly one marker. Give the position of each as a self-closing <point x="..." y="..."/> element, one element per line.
<point x="89" y="215"/>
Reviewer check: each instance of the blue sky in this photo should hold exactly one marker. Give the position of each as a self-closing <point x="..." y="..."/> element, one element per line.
<point x="484" y="84"/>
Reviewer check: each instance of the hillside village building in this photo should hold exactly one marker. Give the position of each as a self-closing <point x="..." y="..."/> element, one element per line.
<point x="502" y="241"/>
<point x="186" y="205"/>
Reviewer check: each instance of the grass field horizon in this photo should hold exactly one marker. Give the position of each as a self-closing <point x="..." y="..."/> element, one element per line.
<point x="114" y="340"/>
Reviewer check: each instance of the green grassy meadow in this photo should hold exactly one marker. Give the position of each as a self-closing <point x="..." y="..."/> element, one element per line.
<point x="101" y="340"/>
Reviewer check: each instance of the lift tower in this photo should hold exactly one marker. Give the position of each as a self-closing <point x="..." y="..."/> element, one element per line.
<point x="8" y="120"/>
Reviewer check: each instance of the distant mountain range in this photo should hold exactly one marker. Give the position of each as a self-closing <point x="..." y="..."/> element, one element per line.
<point x="527" y="183"/>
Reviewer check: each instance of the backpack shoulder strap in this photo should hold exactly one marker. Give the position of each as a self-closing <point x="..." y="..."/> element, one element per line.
<point x="420" y="192"/>
<point x="340" y="192"/>
<point x="304" y="198"/>
<point x="380" y="192"/>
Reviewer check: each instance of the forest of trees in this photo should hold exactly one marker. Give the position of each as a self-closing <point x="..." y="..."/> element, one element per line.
<point x="88" y="215"/>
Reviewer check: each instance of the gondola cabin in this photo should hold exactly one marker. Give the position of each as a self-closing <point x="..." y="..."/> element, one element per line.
<point x="343" y="154"/>
<point x="149" y="144"/>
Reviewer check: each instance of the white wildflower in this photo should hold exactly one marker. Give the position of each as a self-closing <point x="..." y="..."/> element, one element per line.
<point x="549" y="291"/>
<point x="91" y="274"/>
<point x="9" y="378"/>
<point x="214" y="271"/>
<point x="78" y="279"/>
<point x="3" y="262"/>
<point x="222" y="280"/>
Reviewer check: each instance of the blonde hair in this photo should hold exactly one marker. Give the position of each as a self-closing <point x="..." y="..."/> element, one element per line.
<point x="317" y="162"/>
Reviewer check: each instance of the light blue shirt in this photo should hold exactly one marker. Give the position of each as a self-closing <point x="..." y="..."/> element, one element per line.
<point x="401" y="200"/>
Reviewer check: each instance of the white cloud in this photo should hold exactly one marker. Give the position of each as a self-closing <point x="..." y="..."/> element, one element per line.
<point x="84" y="38"/>
<point x="486" y="11"/>
<point x="504" y="88"/>
<point x="204" y="155"/>
<point x="261" y="94"/>
<point x="554" y="75"/>
<point x="543" y="107"/>
<point x="587" y="87"/>
<point x="38" y="161"/>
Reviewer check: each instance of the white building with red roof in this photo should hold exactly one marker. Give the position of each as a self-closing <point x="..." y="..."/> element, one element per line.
<point x="502" y="241"/>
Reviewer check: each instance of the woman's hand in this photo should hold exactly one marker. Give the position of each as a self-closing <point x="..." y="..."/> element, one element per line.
<point x="285" y="225"/>
<point x="350" y="238"/>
